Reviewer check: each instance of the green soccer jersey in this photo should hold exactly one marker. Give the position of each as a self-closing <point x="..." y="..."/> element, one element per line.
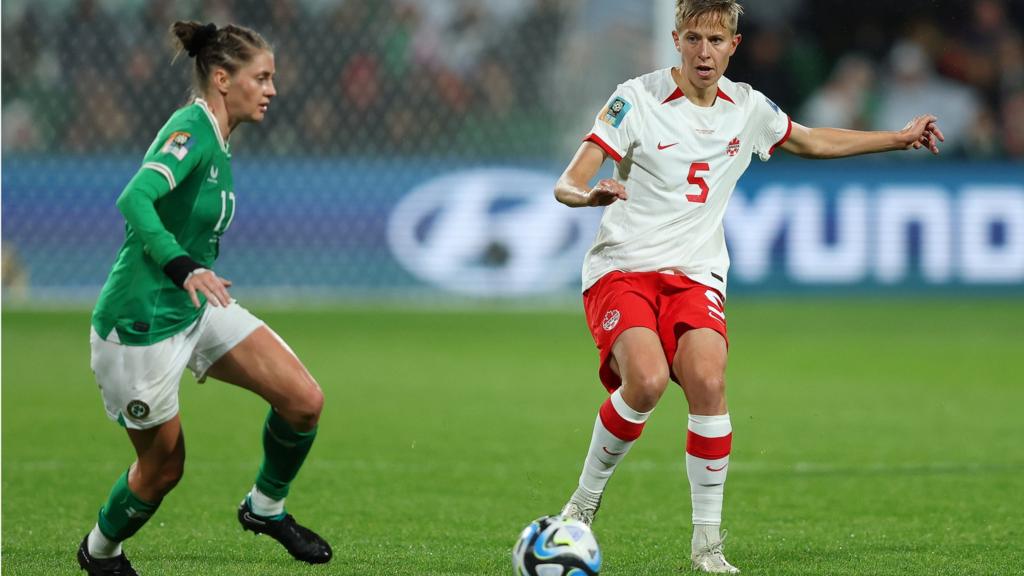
<point x="178" y="204"/>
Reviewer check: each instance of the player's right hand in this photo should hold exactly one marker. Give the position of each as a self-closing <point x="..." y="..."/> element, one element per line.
<point x="605" y="192"/>
<point x="923" y="132"/>
<point x="210" y="285"/>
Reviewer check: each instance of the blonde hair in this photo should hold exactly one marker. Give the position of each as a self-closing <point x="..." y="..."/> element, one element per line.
<point x="724" y="12"/>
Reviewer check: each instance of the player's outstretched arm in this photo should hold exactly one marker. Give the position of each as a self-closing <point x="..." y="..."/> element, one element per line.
<point x="573" y="187"/>
<point x="921" y="132"/>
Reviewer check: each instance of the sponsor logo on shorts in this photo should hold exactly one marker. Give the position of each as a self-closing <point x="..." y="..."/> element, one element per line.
<point x="138" y="409"/>
<point x="611" y="319"/>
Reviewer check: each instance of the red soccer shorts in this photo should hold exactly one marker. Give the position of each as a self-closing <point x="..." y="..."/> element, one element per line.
<point x="668" y="304"/>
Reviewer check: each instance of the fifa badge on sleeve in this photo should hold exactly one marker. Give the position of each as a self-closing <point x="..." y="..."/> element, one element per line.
<point x="177" y="145"/>
<point x="615" y="111"/>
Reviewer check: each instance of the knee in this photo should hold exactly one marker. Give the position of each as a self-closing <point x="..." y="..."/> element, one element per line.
<point x="305" y="410"/>
<point x="162" y="478"/>
<point x="643" y="389"/>
<point x="704" y="384"/>
<point x="171" y="474"/>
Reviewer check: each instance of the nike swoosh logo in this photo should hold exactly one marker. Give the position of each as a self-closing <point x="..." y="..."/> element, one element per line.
<point x="710" y="469"/>
<point x="660" y="147"/>
<point x="253" y="519"/>
<point x="610" y="453"/>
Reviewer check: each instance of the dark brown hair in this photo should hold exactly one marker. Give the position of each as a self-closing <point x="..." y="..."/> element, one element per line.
<point x="230" y="48"/>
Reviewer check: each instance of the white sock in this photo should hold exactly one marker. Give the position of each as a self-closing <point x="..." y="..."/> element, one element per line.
<point x="263" y="505"/>
<point x="100" y="546"/>
<point x="708" y="443"/>
<point x="616" y="428"/>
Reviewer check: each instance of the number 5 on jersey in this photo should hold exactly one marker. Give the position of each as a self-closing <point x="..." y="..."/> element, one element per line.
<point x="696" y="180"/>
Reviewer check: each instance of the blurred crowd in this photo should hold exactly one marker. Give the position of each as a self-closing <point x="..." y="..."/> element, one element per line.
<point x="372" y="77"/>
<point x="874" y="66"/>
<point x="359" y="77"/>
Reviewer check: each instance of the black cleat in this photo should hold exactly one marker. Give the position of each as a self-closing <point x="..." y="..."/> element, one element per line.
<point x="116" y="566"/>
<point x="301" y="542"/>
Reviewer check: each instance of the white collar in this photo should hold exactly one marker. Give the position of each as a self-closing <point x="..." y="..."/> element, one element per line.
<point x="213" y="120"/>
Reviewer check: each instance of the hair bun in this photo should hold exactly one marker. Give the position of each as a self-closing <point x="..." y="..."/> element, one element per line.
<point x="203" y="35"/>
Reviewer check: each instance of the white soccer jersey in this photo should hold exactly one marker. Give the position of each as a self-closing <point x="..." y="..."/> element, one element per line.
<point x="679" y="163"/>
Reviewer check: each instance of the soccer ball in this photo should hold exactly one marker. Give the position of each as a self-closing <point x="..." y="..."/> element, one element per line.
<point x="556" y="546"/>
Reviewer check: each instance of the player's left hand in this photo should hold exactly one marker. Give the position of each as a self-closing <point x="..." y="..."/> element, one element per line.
<point x="210" y="285"/>
<point x="922" y="131"/>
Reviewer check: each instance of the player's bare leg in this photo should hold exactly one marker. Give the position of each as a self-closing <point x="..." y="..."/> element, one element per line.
<point x="264" y="364"/>
<point x="160" y="461"/>
<point x="159" y="465"/>
<point x="699" y="364"/>
<point x="638" y="360"/>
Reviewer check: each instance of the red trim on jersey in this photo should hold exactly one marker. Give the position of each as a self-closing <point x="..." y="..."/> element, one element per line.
<point x="789" y="130"/>
<point x="619" y="427"/>
<point x="678" y="93"/>
<point x="604" y="146"/>
<point x="675" y="95"/>
<point x="708" y="448"/>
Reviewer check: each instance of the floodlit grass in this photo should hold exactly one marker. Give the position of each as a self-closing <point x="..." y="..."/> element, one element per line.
<point x="870" y="437"/>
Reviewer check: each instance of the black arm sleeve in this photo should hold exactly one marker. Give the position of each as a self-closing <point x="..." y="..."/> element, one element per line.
<point x="178" y="269"/>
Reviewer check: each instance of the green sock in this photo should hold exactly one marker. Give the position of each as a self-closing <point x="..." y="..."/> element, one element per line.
<point x="284" y="451"/>
<point x="124" y="513"/>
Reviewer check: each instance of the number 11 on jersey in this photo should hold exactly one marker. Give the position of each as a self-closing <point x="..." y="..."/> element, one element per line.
<point x="229" y="211"/>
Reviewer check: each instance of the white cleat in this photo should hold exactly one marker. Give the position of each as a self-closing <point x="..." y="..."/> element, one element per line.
<point x="707" y="556"/>
<point x="582" y="506"/>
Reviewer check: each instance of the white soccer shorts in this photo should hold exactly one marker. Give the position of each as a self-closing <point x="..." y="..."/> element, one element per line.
<point x="139" y="384"/>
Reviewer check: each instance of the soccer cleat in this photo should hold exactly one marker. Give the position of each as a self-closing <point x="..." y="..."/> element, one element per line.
<point x="301" y="542"/>
<point x="708" y="557"/>
<point x="582" y="506"/>
<point x="116" y="566"/>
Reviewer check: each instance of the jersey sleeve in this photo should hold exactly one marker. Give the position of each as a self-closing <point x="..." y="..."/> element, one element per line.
<point x="178" y="149"/>
<point x="138" y="205"/>
<point x="172" y="157"/>
<point x="617" y="126"/>
<point x="772" y="126"/>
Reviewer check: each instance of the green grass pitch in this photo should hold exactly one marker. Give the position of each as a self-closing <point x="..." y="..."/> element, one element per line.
<point x="871" y="437"/>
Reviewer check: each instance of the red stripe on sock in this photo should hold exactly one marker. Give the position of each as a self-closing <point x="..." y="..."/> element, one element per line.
<point x="620" y="427"/>
<point x="708" y="448"/>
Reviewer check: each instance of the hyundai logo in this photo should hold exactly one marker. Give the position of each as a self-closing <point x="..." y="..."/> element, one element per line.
<point x="491" y="232"/>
